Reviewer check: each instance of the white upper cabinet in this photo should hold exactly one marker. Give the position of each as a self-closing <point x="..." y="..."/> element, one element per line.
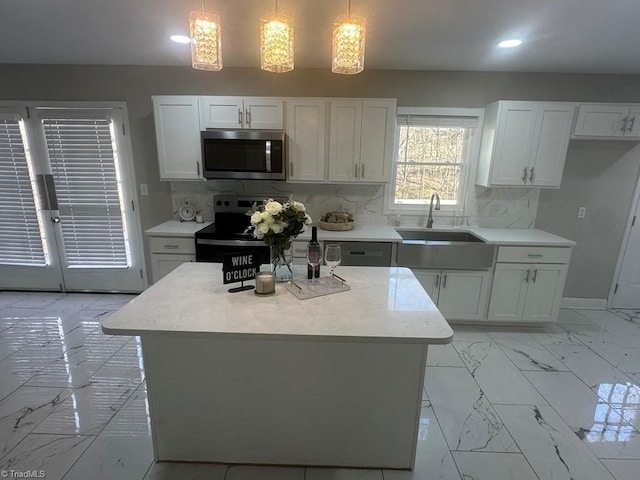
<point x="306" y="127"/>
<point x="606" y="121"/>
<point x="178" y="137"/>
<point x="261" y="113"/>
<point x="361" y="140"/>
<point x="524" y="144"/>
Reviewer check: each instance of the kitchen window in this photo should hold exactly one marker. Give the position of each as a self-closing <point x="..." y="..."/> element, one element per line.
<point x="435" y="150"/>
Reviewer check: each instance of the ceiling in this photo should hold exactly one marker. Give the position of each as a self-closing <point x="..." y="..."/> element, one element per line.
<point x="586" y="36"/>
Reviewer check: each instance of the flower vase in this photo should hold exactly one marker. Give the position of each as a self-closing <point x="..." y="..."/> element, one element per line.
<point x="281" y="261"/>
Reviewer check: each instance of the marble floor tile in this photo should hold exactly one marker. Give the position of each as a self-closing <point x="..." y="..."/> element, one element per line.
<point x="38" y="300"/>
<point x="133" y="419"/>
<point x="342" y="474"/>
<point x="433" y="458"/>
<point x="66" y="372"/>
<point x="588" y="366"/>
<point x="243" y="472"/>
<point x="632" y="316"/>
<point x="443" y="356"/>
<point x="526" y="352"/>
<point x="186" y="471"/>
<point x="492" y="466"/>
<point x="623" y="469"/>
<point x="492" y="369"/>
<point x="554" y="335"/>
<point x="112" y="301"/>
<point x="601" y="428"/>
<point x="133" y="348"/>
<point x="466" y="333"/>
<point x="87" y="410"/>
<point x="467" y="419"/>
<point x="121" y="371"/>
<point x="569" y="316"/>
<point x="551" y="448"/>
<point x="9" y="298"/>
<point x="52" y="454"/>
<point x="114" y="457"/>
<point x="23" y="410"/>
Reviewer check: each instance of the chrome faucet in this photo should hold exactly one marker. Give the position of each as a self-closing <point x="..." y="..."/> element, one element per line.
<point x="430" y="218"/>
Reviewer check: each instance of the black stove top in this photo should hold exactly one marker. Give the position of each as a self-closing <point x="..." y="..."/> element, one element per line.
<point x="213" y="232"/>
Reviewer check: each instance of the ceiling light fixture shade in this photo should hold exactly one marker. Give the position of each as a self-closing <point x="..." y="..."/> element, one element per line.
<point x="348" y="44"/>
<point x="206" y="46"/>
<point x="276" y="42"/>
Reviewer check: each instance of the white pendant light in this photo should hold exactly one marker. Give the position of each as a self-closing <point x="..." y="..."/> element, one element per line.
<point x="348" y="44"/>
<point x="276" y="42"/>
<point x="206" y="46"/>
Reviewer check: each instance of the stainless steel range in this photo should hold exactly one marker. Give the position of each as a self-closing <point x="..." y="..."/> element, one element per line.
<point x="228" y="232"/>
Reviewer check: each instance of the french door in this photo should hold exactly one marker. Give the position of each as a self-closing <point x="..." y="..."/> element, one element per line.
<point x="67" y="198"/>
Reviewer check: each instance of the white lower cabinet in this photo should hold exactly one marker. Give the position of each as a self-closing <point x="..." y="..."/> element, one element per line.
<point x="526" y="292"/>
<point x="459" y="294"/>
<point x="168" y="253"/>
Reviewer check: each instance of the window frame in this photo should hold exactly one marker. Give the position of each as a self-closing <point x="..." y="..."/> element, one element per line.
<point x="469" y="165"/>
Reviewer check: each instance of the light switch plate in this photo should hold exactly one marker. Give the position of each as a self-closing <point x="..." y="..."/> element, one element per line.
<point x="144" y="189"/>
<point x="582" y="211"/>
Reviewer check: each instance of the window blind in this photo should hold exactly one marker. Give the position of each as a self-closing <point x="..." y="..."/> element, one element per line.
<point x="438" y="121"/>
<point x="20" y="240"/>
<point x="83" y="162"/>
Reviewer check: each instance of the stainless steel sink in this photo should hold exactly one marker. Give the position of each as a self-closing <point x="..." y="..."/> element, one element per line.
<point x="422" y="248"/>
<point x="435" y="236"/>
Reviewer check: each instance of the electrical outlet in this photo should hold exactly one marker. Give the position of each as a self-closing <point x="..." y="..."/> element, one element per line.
<point x="582" y="211"/>
<point x="144" y="189"/>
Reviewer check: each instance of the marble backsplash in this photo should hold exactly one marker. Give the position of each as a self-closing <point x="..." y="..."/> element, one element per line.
<point x="497" y="208"/>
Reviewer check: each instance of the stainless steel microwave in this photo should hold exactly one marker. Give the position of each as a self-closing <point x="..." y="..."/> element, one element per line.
<point x="244" y="154"/>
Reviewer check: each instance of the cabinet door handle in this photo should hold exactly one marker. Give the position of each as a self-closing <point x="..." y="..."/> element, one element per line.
<point x="247" y="117"/>
<point x="356" y="171"/>
<point x="444" y="281"/>
<point x="630" y="128"/>
<point x="291" y="168"/>
<point x="362" y="170"/>
<point x="623" y="128"/>
<point x="198" y="167"/>
<point x="532" y="176"/>
<point x="526" y="278"/>
<point x="535" y="275"/>
<point x="535" y="255"/>
<point x="171" y="246"/>
<point x="524" y="175"/>
<point x="437" y="280"/>
<point x="239" y="117"/>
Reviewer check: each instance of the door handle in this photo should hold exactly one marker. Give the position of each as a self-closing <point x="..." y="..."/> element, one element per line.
<point x="532" y="176"/>
<point x="624" y="124"/>
<point x="55" y="219"/>
<point x="630" y="128"/>
<point x="267" y="155"/>
<point x="524" y="175"/>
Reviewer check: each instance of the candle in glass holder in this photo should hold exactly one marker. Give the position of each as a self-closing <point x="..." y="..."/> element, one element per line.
<point x="265" y="283"/>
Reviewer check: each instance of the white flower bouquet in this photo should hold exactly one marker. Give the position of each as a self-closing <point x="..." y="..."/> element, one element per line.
<point x="277" y="224"/>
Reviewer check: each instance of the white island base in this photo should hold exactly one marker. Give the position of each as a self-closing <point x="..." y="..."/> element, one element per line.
<point x="329" y="381"/>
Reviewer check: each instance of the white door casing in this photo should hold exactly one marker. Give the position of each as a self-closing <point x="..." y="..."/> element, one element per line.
<point x="625" y="292"/>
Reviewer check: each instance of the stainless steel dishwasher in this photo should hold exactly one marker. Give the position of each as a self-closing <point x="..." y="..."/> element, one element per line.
<point x="365" y="254"/>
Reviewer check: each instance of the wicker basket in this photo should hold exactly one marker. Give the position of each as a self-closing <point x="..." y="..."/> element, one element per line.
<point x="336" y="227"/>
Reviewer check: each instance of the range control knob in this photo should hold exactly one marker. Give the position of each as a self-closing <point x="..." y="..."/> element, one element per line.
<point x="226" y="203"/>
<point x="218" y="203"/>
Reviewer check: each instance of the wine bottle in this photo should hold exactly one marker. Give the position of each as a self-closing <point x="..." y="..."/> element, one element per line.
<point x="311" y="271"/>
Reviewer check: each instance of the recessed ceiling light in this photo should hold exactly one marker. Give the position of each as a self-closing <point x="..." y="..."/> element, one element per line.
<point x="514" y="42"/>
<point x="180" y="39"/>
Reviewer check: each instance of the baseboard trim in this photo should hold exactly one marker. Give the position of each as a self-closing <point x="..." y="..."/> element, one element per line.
<point x="585" y="303"/>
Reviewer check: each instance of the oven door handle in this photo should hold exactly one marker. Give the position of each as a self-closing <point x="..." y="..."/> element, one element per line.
<point x="229" y="243"/>
<point x="267" y="155"/>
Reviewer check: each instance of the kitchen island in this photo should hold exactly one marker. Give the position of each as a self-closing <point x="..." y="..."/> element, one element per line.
<point x="330" y="381"/>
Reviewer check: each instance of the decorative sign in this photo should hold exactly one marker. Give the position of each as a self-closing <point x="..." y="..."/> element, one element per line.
<point x="238" y="267"/>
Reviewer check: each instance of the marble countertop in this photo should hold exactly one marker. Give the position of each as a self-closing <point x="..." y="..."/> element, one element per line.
<point x="176" y="228"/>
<point x="386" y="233"/>
<point x="384" y="305"/>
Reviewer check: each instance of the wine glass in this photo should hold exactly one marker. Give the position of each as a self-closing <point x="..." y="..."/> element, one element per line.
<point x="314" y="256"/>
<point x="332" y="257"/>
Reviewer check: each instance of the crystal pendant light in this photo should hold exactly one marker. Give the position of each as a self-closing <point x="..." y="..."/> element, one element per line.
<point x="348" y="44"/>
<point x="206" y="47"/>
<point x="276" y="42"/>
